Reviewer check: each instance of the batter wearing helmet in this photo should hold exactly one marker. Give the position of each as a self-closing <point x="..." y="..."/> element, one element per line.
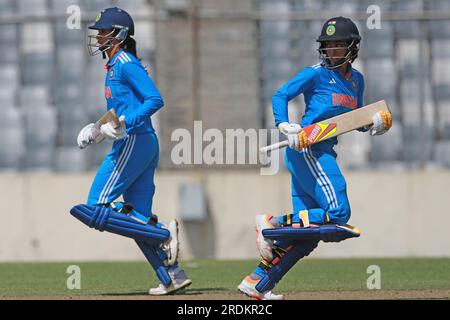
<point x="129" y="167"/>
<point x="319" y="193"/>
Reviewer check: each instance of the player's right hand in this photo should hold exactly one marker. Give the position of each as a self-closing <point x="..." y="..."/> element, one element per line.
<point x="112" y="133"/>
<point x="382" y="122"/>
<point x="89" y="134"/>
<point x="296" y="136"/>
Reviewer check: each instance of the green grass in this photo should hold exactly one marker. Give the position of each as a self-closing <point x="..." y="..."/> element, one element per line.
<point x="115" y="278"/>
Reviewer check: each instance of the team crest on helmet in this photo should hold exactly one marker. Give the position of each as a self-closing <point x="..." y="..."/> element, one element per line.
<point x="331" y="29"/>
<point x="98" y="17"/>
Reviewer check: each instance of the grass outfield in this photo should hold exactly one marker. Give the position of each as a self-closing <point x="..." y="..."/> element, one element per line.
<point x="219" y="279"/>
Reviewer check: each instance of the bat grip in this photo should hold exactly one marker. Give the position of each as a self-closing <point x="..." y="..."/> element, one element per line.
<point x="116" y="124"/>
<point x="275" y="146"/>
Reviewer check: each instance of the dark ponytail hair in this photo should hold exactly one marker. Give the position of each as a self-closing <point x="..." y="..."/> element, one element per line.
<point x="129" y="45"/>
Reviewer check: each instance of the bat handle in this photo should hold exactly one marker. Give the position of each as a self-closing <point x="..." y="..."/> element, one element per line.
<point x="275" y="146"/>
<point x="117" y="122"/>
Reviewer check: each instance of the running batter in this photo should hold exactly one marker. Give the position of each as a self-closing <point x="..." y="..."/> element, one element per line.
<point x="128" y="170"/>
<point x="319" y="193"/>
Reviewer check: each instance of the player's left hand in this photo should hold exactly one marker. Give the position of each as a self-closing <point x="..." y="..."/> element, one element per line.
<point x="90" y="133"/>
<point x="382" y="121"/>
<point x="112" y="133"/>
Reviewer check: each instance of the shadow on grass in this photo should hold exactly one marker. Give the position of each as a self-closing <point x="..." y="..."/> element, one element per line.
<point x="194" y="291"/>
<point x="117" y="294"/>
<point x="202" y="290"/>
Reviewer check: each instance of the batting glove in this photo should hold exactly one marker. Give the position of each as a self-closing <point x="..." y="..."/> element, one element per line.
<point x="296" y="136"/>
<point x="89" y="134"/>
<point x="112" y="133"/>
<point x="382" y="121"/>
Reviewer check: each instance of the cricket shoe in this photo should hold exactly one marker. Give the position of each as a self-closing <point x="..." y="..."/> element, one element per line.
<point x="263" y="244"/>
<point x="248" y="287"/>
<point x="172" y="246"/>
<point x="179" y="282"/>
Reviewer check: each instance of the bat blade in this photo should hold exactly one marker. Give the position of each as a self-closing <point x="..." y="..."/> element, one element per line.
<point x="344" y="123"/>
<point x="338" y="125"/>
<point x="109" y="116"/>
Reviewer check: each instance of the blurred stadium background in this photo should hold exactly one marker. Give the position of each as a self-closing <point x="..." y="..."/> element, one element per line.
<point x="221" y="61"/>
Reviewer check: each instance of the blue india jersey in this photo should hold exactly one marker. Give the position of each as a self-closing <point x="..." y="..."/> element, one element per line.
<point x="327" y="93"/>
<point x="131" y="92"/>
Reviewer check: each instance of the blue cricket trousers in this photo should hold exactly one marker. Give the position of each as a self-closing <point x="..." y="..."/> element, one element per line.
<point x="318" y="186"/>
<point x="128" y="170"/>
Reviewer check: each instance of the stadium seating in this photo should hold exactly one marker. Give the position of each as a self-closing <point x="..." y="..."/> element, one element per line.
<point x="379" y="43"/>
<point x="35" y="7"/>
<point x="439" y="29"/>
<point x="13" y="139"/>
<point x="47" y="77"/>
<point x="8" y="45"/>
<point x="41" y="129"/>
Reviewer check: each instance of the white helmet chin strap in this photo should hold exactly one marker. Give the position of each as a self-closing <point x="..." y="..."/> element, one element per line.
<point x="326" y="59"/>
<point x="346" y="59"/>
<point x="94" y="47"/>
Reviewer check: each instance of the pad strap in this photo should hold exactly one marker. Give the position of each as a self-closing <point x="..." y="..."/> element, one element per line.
<point x="106" y="219"/>
<point x="278" y="254"/>
<point x="278" y="267"/>
<point x="300" y="220"/>
<point x="151" y="254"/>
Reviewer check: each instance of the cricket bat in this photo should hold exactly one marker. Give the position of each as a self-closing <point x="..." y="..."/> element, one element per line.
<point x="336" y="126"/>
<point x="109" y="116"/>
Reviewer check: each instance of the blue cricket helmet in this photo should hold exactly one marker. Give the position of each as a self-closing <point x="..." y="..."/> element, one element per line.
<point x="339" y="29"/>
<point x="113" y="18"/>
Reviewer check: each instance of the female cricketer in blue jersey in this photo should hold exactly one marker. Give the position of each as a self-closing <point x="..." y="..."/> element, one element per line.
<point x="319" y="193"/>
<point x="129" y="168"/>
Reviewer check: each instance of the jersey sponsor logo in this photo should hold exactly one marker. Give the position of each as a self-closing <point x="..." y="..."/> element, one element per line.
<point x="108" y="94"/>
<point x="332" y="81"/>
<point x="319" y="131"/>
<point x="345" y="100"/>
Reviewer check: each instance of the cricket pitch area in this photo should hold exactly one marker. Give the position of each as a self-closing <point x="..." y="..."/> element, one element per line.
<point x="311" y="279"/>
